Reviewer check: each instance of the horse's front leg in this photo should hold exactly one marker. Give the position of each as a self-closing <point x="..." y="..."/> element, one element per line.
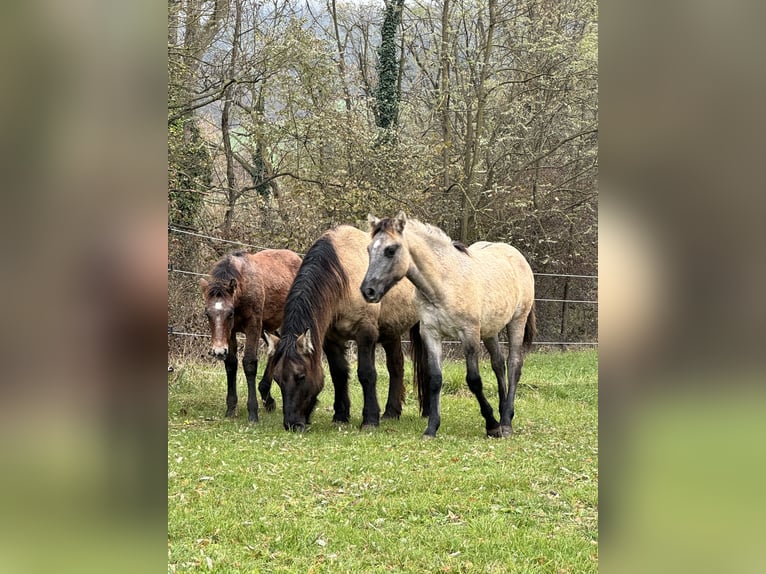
<point x="250" y="366"/>
<point x="338" y="363"/>
<point x="230" y="362"/>
<point x="368" y="377"/>
<point x="395" y="366"/>
<point x="433" y="348"/>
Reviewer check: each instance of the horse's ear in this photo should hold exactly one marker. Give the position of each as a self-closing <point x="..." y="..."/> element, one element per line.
<point x="203" y="283"/>
<point x="303" y="343"/>
<point x="372" y="220"/>
<point x="400" y="220"/>
<point x="271" y="343"/>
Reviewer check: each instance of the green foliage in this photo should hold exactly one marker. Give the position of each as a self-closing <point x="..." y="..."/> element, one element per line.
<point x="189" y="163"/>
<point x="189" y="171"/>
<point x="245" y="498"/>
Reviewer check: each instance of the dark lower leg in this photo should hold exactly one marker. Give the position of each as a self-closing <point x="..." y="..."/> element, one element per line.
<point x="473" y="378"/>
<point x="250" y="366"/>
<point x="434" y="403"/>
<point x="368" y="379"/>
<point x="498" y="367"/>
<point x="264" y="388"/>
<point x="507" y="410"/>
<point x="336" y="358"/>
<point x="230" y="362"/>
<point x="395" y="366"/>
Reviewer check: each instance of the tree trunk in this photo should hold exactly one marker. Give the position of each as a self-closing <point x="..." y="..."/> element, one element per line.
<point x="232" y="193"/>
<point x="341" y="56"/>
<point x="387" y="101"/>
<point x="443" y="102"/>
<point x="474" y="134"/>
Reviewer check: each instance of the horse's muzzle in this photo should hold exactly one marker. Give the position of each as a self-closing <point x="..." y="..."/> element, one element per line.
<point x="370" y="294"/>
<point x="219" y="352"/>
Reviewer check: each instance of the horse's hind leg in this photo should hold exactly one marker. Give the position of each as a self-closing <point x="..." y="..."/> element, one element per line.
<point x="230" y="362"/>
<point x="395" y="365"/>
<point x="336" y="358"/>
<point x="498" y="366"/>
<point x="515" y="331"/>
<point x="473" y="378"/>
<point x="250" y="366"/>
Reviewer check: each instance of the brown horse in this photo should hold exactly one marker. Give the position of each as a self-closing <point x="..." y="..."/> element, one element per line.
<point x="470" y="293"/>
<point x="246" y="294"/>
<point x="324" y="310"/>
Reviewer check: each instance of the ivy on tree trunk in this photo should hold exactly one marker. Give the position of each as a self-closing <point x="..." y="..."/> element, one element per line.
<point x="386" y="94"/>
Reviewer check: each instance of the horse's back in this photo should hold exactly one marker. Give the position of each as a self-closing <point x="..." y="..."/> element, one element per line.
<point x="275" y="269"/>
<point x="506" y="283"/>
<point x="271" y="274"/>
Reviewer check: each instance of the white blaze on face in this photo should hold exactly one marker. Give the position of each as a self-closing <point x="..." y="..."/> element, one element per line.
<point x="218" y="306"/>
<point x="377" y="243"/>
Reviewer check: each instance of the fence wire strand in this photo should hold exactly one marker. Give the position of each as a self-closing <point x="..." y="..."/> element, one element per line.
<point x="202" y="235"/>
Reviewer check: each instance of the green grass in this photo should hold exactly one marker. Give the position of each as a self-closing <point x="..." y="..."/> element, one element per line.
<point x="244" y="498"/>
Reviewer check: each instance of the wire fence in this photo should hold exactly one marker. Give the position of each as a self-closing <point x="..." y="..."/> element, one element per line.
<point x="562" y="321"/>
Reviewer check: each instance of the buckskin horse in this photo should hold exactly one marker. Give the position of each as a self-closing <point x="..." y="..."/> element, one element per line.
<point x="468" y="293"/>
<point x="324" y="310"/>
<point x="246" y="294"/>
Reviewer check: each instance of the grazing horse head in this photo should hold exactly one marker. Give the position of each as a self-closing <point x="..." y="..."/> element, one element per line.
<point x="220" y="293"/>
<point x="297" y="369"/>
<point x="389" y="262"/>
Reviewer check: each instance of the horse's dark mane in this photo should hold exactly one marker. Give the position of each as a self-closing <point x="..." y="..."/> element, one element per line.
<point x="321" y="281"/>
<point x="222" y="275"/>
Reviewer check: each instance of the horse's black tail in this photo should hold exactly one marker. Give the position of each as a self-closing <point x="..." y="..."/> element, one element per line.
<point x="530" y="329"/>
<point x="419" y="357"/>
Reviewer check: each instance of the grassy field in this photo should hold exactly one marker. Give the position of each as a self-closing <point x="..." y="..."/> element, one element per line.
<point x="244" y="498"/>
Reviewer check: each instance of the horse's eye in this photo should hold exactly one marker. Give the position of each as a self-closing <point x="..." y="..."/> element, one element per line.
<point x="207" y="313"/>
<point x="390" y="251"/>
<point x="231" y="314"/>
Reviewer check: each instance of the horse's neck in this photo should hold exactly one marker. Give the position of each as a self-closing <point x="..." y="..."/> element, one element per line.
<point x="430" y="264"/>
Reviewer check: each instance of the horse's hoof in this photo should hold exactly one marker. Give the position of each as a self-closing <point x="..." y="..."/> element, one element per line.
<point x="506" y="431"/>
<point x="253" y="419"/>
<point x="391" y="415"/>
<point x="339" y="421"/>
<point x="269" y="404"/>
<point x="368" y="427"/>
<point x="231" y="413"/>
<point x="494" y="433"/>
<point x="427" y="436"/>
